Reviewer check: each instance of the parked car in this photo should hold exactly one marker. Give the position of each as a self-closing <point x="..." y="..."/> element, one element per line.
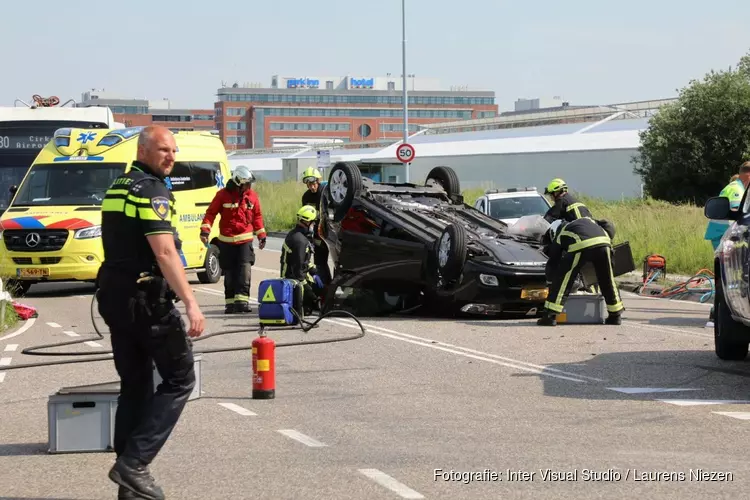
<point x="509" y="205"/>
<point x="731" y="301"/>
<point x="424" y="244"/>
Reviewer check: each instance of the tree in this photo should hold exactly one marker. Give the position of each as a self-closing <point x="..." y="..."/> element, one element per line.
<point x="695" y="144"/>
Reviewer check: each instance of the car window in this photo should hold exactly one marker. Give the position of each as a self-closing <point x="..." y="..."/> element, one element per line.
<point x="512" y="208"/>
<point x="194" y="175"/>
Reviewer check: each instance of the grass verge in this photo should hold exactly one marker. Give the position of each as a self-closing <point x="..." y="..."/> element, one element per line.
<point x="11" y="318"/>
<point x="651" y="226"/>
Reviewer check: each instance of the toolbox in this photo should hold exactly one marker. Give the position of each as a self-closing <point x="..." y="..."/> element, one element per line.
<point x="583" y="309"/>
<point x="82" y="418"/>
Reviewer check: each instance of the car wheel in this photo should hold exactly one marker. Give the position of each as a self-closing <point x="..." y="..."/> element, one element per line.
<point x="450" y="252"/>
<point x="727" y="331"/>
<point x="212" y="273"/>
<point x="445" y="177"/>
<point x="344" y="183"/>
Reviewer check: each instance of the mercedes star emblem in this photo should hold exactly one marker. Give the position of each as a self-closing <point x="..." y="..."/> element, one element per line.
<point x="33" y="239"/>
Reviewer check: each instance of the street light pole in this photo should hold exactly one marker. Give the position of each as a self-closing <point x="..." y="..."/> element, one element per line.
<point x="403" y="69"/>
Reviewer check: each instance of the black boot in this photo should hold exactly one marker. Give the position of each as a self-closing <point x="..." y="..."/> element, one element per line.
<point x="242" y="307"/>
<point x="229" y="309"/>
<point x="135" y="477"/>
<point x="613" y="319"/>
<point x="549" y="319"/>
<point x="125" y="494"/>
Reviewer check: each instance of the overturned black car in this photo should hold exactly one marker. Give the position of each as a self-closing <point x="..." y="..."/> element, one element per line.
<point x="422" y="246"/>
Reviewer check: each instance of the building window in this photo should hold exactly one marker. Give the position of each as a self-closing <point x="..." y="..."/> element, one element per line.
<point x="329" y="85"/>
<point x="364" y="130"/>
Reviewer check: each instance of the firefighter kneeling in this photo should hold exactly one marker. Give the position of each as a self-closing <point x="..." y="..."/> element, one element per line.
<point x="297" y="256"/>
<point x="570" y="246"/>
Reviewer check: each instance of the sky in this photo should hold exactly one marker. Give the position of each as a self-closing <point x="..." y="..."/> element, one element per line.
<point x="587" y="52"/>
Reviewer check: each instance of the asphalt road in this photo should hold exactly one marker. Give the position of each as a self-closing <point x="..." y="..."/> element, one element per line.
<point x="410" y="410"/>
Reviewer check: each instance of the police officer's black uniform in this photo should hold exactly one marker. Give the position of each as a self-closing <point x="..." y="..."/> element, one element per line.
<point x="568" y="208"/>
<point x="321" y="249"/>
<point x="576" y="243"/>
<point x="296" y="263"/>
<point x="144" y="324"/>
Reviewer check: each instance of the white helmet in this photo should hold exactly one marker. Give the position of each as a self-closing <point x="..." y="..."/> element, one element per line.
<point x="242" y="175"/>
<point x="553" y="229"/>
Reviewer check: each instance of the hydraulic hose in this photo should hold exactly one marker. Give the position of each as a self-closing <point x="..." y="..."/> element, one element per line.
<point x="105" y="355"/>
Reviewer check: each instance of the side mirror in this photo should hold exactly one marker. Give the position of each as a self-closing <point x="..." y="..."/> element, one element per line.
<point x="718" y="208"/>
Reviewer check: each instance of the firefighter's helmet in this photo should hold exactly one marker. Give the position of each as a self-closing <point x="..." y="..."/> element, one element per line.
<point x="311" y="174"/>
<point x="307" y="214"/>
<point x="242" y="175"/>
<point x="556" y="186"/>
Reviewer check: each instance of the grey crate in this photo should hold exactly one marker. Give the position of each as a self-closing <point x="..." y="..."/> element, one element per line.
<point x="584" y="308"/>
<point x="197" y="359"/>
<point x="82" y="418"/>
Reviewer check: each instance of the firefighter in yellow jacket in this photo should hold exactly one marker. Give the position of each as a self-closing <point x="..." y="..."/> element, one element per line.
<point x="570" y="246"/>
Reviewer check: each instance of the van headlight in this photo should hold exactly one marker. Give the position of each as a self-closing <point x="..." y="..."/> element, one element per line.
<point x="89" y="232"/>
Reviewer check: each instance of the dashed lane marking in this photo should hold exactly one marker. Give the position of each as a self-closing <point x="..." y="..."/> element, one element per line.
<point x="11" y="347"/>
<point x="5" y="361"/>
<point x="238" y="409"/>
<point x="390" y="483"/>
<point x="740" y="415"/>
<point x="2" y="376"/>
<point x="302" y="438"/>
<point x="91" y="343"/>
<point x="664" y="329"/>
<point x="699" y="402"/>
<point x="71" y="334"/>
<point x="53" y="325"/>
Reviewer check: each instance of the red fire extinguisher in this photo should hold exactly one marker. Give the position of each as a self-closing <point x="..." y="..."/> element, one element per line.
<point x="264" y="379"/>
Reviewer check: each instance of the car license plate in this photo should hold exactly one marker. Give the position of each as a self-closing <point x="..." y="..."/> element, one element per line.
<point x="32" y="272"/>
<point x="534" y="293"/>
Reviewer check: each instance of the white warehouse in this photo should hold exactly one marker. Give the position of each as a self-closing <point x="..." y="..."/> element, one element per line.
<point x="593" y="158"/>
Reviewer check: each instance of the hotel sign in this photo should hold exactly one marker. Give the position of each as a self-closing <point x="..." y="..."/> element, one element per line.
<point x="362" y="83"/>
<point x="294" y="83"/>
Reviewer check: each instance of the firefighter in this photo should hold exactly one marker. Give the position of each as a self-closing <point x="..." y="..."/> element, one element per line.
<point x="297" y="258"/>
<point x="241" y="220"/>
<point x="571" y="245"/>
<point x="566" y="206"/>
<point x="312" y="178"/>
<point x="137" y="283"/>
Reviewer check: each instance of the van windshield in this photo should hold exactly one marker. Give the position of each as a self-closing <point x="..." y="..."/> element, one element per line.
<point x="514" y="208"/>
<point x="72" y="184"/>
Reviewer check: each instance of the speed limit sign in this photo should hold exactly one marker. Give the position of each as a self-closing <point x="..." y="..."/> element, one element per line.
<point x="405" y="153"/>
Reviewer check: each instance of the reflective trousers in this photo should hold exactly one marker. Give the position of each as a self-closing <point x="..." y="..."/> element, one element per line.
<point x="568" y="268"/>
<point x="145" y="419"/>
<point x="236" y="261"/>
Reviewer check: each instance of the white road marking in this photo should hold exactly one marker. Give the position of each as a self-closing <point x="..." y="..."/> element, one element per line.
<point x="390" y="483"/>
<point x="91" y="343"/>
<point x="2" y="376"/>
<point x="698" y="402"/>
<point x="645" y="390"/>
<point x="668" y="330"/>
<point x="302" y="438"/>
<point x="632" y="295"/>
<point x="237" y="409"/>
<point x="71" y="334"/>
<point x="428" y="343"/>
<point x="29" y="323"/>
<point x="11" y="347"/>
<point x="741" y="415"/>
<point x="5" y="361"/>
<point x="266" y="270"/>
<point x="53" y="325"/>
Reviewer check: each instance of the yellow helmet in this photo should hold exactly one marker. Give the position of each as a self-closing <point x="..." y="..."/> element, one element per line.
<point x="311" y="174"/>
<point x="307" y="213"/>
<point x="555" y="186"/>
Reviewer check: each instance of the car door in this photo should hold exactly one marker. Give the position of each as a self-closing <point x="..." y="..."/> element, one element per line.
<point x="735" y="255"/>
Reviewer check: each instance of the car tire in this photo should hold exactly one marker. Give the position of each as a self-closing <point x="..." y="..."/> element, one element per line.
<point x="727" y="331"/>
<point x="344" y="182"/>
<point x="445" y="177"/>
<point x="212" y="273"/>
<point x="450" y="252"/>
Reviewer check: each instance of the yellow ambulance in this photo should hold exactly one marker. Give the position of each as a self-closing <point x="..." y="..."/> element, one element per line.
<point x="51" y="231"/>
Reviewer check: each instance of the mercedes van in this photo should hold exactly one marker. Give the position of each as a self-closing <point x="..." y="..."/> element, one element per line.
<point x="51" y="231"/>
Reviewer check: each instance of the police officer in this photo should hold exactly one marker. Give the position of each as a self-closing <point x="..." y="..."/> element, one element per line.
<point x="297" y="256"/>
<point x="312" y="178"/>
<point x="137" y="283"/>
<point x="570" y="246"/>
<point x="566" y="206"/>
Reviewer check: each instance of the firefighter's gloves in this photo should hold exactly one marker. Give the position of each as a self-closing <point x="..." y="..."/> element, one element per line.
<point x="261" y="243"/>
